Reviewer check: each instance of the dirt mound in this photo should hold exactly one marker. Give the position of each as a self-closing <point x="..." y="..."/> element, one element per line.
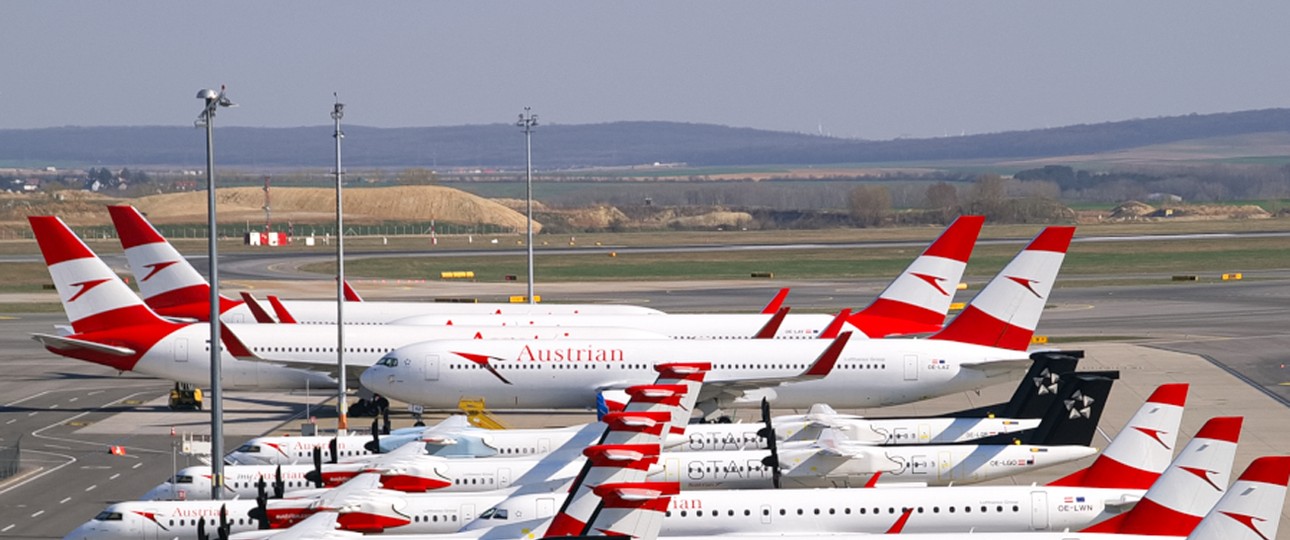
<point x="77" y="208"/>
<point x="1217" y="211"/>
<point x="713" y="220"/>
<point x="307" y="205"/>
<point x="1132" y="209"/>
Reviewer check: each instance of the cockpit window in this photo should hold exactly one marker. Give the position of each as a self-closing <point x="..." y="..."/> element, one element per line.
<point x="249" y="449"/>
<point x="488" y="514"/>
<point x="501" y="513"/>
<point x="108" y="515"/>
<point x="183" y="479"/>
<point x="389" y="361"/>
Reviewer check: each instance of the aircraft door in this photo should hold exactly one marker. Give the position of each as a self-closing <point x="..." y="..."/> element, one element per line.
<point x="181" y="349"/>
<point x="672" y="470"/>
<point x="238" y="318"/>
<point x="545" y="507"/>
<point x="543" y="446"/>
<point x="431" y="367"/>
<point x="765" y="514"/>
<point x="1039" y="510"/>
<point x="503" y="478"/>
<point x="911" y="367"/>
<point x="924" y="433"/>
<point x="945" y="466"/>
<point x="467" y="513"/>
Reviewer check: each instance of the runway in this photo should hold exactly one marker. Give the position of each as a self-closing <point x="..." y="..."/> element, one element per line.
<point x="68" y="413"/>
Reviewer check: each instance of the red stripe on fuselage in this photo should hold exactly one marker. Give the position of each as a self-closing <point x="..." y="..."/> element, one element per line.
<point x="140" y="338"/>
<point x="980" y="328"/>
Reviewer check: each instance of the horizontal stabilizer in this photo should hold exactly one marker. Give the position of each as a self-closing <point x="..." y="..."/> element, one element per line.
<point x="68" y="344"/>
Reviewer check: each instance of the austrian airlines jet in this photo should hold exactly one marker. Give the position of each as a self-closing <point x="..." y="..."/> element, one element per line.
<point x="985" y="509"/>
<point x="982" y="346"/>
<point x="114" y="328"/>
<point x="172" y="287"/>
<point x="915" y="302"/>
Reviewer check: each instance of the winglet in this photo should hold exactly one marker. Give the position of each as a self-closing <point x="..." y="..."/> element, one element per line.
<point x="280" y="310"/>
<point x="234" y="345"/>
<point x="835" y="326"/>
<point x="829" y="358"/>
<point x="257" y="311"/>
<point x="772" y="326"/>
<point x="873" y="481"/>
<point x="350" y="294"/>
<point x="776" y="302"/>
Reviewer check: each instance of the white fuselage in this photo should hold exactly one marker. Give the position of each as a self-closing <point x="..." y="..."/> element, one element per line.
<point x="567" y="374"/>
<point x="876" y="431"/>
<point x="718" y="513"/>
<point x="675" y="326"/>
<point x="368" y="313"/>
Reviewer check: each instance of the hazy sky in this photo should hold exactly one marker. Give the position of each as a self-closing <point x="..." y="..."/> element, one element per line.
<point x="874" y="70"/>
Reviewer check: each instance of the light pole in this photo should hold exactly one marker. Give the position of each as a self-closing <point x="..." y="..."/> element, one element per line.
<point x="342" y="422"/>
<point x="214" y="100"/>
<point x="528" y="121"/>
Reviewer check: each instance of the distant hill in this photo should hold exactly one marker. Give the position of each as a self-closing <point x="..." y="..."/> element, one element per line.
<point x="590" y="145"/>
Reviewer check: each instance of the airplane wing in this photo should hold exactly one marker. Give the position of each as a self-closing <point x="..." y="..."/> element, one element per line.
<point x="364" y="484"/>
<point x="68" y="344"/>
<point x="756" y="387"/>
<point x="322" y="525"/>
<point x="999" y="367"/>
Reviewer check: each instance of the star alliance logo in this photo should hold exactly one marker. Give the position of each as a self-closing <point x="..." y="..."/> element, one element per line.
<point x="1080" y="405"/>
<point x="1046" y="382"/>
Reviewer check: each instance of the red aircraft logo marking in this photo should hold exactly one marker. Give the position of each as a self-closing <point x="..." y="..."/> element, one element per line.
<point x="1154" y="434"/>
<point x="152" y="516"/>
<point x="277" y="447"/>
<point x="1204" y="475"/>
<point x="1248" y="521"/>
<point x="86" y="286"/>
<point x="933" y="281"/>
<point x="156" y="267"/>
<point x="483" y="361"/>
<point x="1025" y="282"/>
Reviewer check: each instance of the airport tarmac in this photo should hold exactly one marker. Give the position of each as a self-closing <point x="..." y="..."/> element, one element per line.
<point x="68" y="413"/>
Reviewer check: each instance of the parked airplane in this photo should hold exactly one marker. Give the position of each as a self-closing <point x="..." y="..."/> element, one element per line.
<point x="171" y="286"/>
<point x="982" y="346"/>
<point x="981" y="509"/>
<point x="112" y="327"/>
<point x="915" y="302"/>
<point x="1036" y="393"/>
<point x="1250" y="509"/>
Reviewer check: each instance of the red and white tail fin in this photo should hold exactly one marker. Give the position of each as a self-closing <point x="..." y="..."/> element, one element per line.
<point x="1251" y="508"/>
<point x="257" y="311"/>
<point x="350" y="294"/>
<point x="168" y="283"/>
<point x="1142" y="450"/>
<point x="606" y="463"/>
<point x="688" y="375"/>
<point x="94" y="298"/>
<point x="633" y="510"/>
<point x="918" y="299"/>
<point x="1190" y="487"/>
<point x="1005" y="313"/>
<point x="772" y="325"/>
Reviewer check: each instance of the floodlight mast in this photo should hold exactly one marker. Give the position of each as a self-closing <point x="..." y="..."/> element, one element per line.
<point x="528" y="121"/>
<point x="214" y="100"/>
<point x="342" y="406"/>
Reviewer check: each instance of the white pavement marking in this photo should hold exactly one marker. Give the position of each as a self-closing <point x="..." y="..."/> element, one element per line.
<point x="38" y="513"/>
<point x="114" y="477"/>
<point x="94" y="392"/>
<point x="12" y="420"/>
<point x="73" y="399"/>
<point x="6" y="529"/>
<point x="32" y="413"/>
<point x="54" y="406"/>
<point x="91" y="488"/>
<point x="64" y="501"/>
<point x="137" y="465"/>
<point x="26" y="398"/>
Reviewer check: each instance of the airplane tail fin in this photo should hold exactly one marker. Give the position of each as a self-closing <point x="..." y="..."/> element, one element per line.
<point x="605" y="464"/>
<point x="1251" y="508"/>
<point x="1189" y="488"/>
<point x="94" y="298"/>
<point x="167" y="282"/>
<point x="1072" y="418"/>
<point x="280" y="310"/>
<point x="257" y="311"/>
<point x="1005" y="313"/>
<point x="1036" y="392"/>
<point x="772" y="325"/>
<point x="1141" y="451"/>
<point x="919" y="298"/>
